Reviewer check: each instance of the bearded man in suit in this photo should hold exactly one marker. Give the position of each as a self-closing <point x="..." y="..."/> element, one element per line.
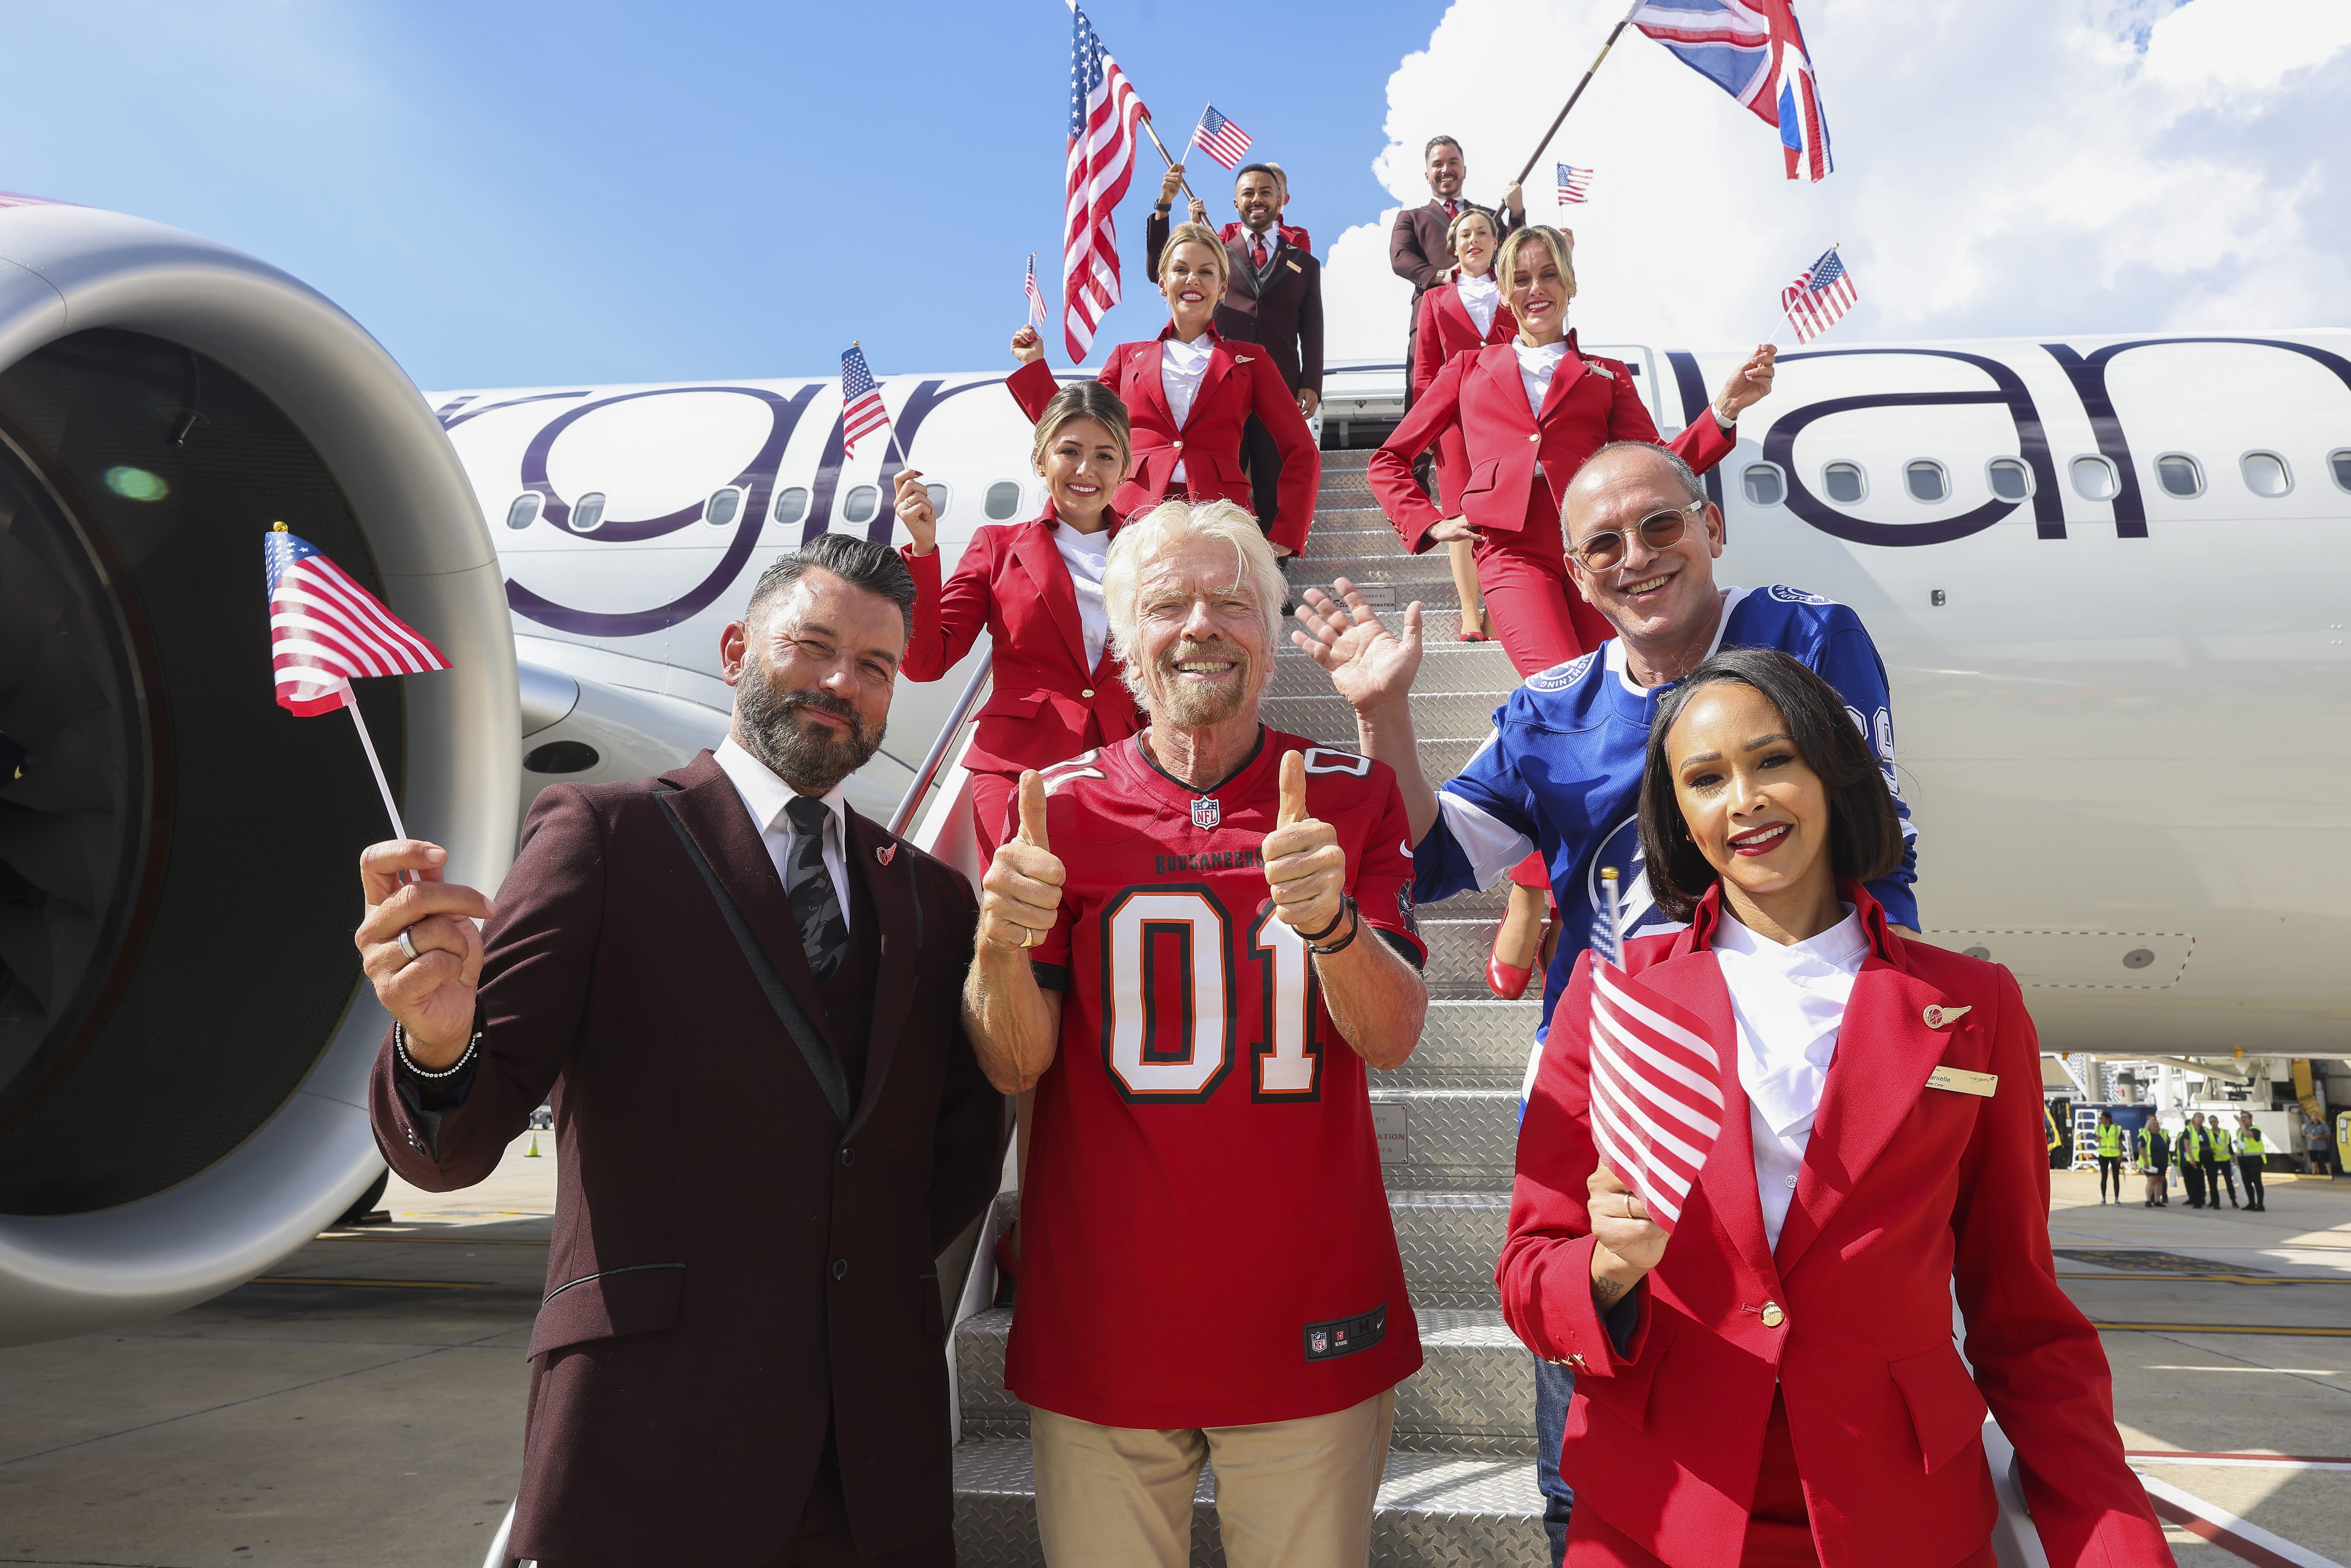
<point x="1417" y="247"/>
<point x="740" y="1357"/>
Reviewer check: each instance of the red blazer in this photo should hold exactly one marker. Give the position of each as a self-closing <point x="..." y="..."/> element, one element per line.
<point x="1443" y="329"/>
<point x="1046" y="707"/>
<point x="1907" y="1192"/>
<point x="1590" y="403"/>
<point x="1240" y="380"/>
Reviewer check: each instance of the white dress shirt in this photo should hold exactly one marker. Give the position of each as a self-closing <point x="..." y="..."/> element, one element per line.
<point x="1535" y="369"/>
<point x="765" y="796"/>
<point x="1478" y="297"/>
<point x="1181" y="366"/>
<point x="1087" y="556"/>
<point x="1788" y="1003"/>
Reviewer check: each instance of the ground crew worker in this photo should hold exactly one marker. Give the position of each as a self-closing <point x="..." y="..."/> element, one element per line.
<point x="2191" y="1159"/>
<point x="2155" y="1154"/>
<point x="2220" y="1163"/>
<point x="2251" y="1153"/>
<point x="2110" y="1156"/>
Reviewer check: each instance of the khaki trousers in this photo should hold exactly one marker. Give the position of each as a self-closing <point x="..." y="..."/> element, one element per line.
<point x="1289" y="1494"/>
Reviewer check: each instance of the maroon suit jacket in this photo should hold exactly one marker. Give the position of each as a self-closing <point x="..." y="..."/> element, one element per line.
<point x="1045" y="705"/>
<point x="1908" y="1192"/>
<point x="1240" y="380"/>
<point x="1590" y="403"/>
<point x="1443" y="330"/>
<point x="717" y="1292"/>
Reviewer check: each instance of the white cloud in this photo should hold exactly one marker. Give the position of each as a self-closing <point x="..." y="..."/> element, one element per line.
<point x="2006" y="166"/>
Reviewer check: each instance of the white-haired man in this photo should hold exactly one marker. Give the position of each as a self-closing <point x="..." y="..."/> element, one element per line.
<point x="1192" y="948"/>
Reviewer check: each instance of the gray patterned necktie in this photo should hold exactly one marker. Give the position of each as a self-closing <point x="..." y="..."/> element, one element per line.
<point x="816" y="903"/>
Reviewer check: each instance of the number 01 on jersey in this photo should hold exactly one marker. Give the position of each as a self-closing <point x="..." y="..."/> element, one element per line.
<point x="1171" y="1026"/>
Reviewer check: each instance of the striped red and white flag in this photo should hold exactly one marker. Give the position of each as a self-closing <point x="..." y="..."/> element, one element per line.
<point x="1819" y="297"/>
<point x="1656" y="1090"/>
<point x="1220" y="138"/>
<point x="326" y="631"/>
<point x="1103" y="112"/>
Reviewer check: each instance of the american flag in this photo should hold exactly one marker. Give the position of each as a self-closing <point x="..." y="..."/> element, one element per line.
<point x="1103" y="109"/>
<point x="1220" y="138"/>
<point x="861" y="412"/>
<point x="1036" y="294"/>
<point x="1575" y="185"/>
<point x="1656" y="1090"/>
<point x="1753" y="50"/>
<point x="1822" y="293"/>
<point x="326" y="631"/>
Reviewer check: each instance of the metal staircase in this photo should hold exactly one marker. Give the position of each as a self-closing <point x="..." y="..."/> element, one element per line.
<point x="1460" y="1483"/>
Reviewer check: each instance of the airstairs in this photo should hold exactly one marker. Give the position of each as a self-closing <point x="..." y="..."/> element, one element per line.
<point x="1460" y="1482"/>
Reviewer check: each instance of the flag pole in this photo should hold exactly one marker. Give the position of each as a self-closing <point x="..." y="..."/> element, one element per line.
<point x="1540" y="146"/>
<point x="1615" y="913"/>
<point x="375" y="764"/>
<point x="1149" y="131"/>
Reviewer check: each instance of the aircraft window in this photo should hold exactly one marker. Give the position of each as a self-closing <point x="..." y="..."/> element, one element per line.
<point x="725" y="506"/>
<point x="2340" y="461"/>
<point x="2093" y="479"/>
<point x="2266" y="473"/>
<point x="1764" y="484"/>
<point x="2010" y="479"/>
<point x="791" y="504"/>
<point x="1926" y="480"/>
<point x="1003" y="500"/>
<point x="587" y="512"/>
<point x="2181" y="474"/>
<point x="860" y="505"/>
<point x="1844" y="482"/>
<point x="525" y="510"/>
<point x="938" y="495"/>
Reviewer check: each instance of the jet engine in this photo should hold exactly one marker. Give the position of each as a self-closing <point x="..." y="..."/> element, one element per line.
<point x="184" y="1034"/>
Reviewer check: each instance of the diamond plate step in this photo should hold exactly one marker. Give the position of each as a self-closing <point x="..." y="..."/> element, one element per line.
<point x="1435" y="1510"/>
<point x="1449" y="1242"/>
<point x="1455" y="969"/>
<point x="1451" y="1140"/>
<point x="1436" y="715"/>
<point x="1447" y="667"/>
<point x="1474" y="1393"/>
<point x="1480" y="1044"/>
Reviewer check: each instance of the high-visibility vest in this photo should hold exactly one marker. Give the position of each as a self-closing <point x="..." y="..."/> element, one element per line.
<point x="2192" y="1145"/>
<point x="2249" y="1142"/>
<point x="2110" y="1141"/>
<point x="2218" y="1143"/>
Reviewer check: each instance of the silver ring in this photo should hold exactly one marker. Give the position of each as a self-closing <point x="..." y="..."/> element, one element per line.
<point x="409" y="947"/>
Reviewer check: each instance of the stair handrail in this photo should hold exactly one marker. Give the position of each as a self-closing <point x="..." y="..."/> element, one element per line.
<point x="929" y="771"/>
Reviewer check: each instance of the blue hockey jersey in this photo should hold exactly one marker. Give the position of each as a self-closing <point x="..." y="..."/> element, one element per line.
<point x="1562" y="772"/>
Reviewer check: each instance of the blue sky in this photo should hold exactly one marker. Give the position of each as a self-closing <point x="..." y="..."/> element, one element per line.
<point x="511" y="193"/>
<point x="519" y="193"/>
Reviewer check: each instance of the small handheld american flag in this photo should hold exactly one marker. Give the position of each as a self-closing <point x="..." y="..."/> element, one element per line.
<point x="325" y="631"/>
<point x="1657" y="1079"/>
<point x="861" y="412"/>
<point x="1036" y="296"/>
<point x="1220" y="138"/>
<point x="1821" y="294"/>
<point x="1575" y="185"/>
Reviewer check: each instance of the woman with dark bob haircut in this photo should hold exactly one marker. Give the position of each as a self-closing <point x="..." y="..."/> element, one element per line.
<point x="1774" y="1380"/>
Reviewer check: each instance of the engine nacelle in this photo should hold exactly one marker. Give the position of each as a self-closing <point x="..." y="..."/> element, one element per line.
<point x="184" y="1036"/>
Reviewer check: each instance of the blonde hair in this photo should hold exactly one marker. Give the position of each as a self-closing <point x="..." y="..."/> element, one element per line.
<point x="1084" y="400"/>
<point x="1453" y="229"/>
<point x="1168" y="525"/>
<point x="1563" y="251"/>
<point x="1198" y="233"/>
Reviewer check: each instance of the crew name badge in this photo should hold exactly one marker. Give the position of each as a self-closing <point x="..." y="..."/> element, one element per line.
<point x="1960" y="1081"/>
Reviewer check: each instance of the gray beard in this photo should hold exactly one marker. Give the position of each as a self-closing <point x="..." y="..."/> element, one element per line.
<point x="801" y="756"/>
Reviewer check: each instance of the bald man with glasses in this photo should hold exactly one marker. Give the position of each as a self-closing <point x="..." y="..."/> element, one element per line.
<point x="1561" y="773"/>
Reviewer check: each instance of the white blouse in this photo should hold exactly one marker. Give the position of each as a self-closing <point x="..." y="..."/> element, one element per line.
<point x="1535" y="369"/>
<point x="1087" y="556"/>
<point x="1181" y="366"/>
<point x="1480" y="296"/>
<point x="1789" y="1004"/>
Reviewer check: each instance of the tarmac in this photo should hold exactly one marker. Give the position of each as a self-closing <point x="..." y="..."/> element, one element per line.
<point x="361" y="1403"/>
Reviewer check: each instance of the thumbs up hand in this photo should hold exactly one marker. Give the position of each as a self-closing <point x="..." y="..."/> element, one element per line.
<point x="1303" y="862"/>
<point x="1021" y="897"/>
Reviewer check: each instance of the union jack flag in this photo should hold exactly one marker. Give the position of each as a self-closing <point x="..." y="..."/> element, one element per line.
<point x="1656" y="1090"/>
<point x="1753" y="50"/>
<point x="1220" y="138"/>
<point x="1103" y="109"/>
<point x="861" y="412"/>
<point x="1036" y="296"/>
<point x="326" y="631"/>
<point x="1821" y="294"/>
<point x="1575" y="185"/>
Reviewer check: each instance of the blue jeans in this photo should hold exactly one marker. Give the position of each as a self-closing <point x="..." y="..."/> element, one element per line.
<point x="1554" y="1385"/>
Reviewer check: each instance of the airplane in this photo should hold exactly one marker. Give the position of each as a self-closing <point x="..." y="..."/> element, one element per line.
<point x="2105" y="574"/>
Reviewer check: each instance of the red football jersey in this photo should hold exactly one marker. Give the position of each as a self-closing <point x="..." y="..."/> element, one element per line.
<point x="1205" y="1236"/>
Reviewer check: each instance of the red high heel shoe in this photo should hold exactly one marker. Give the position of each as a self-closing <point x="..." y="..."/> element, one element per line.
<point x="1505" y="980"/>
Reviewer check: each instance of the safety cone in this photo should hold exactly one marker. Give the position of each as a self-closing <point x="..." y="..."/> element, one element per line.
<point x="532" y="1153"/>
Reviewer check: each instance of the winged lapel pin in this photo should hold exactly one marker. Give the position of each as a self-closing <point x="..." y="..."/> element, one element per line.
<point x="1936" y="1016"/>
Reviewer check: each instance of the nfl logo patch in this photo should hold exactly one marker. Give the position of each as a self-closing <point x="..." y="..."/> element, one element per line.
<point x="1321" y="1342"/>
<point x="1205" y="813"/>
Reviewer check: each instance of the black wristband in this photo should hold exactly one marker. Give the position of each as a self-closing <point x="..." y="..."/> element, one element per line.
<point x="1346" y="902"/>
<point x="1341" y="945"/>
